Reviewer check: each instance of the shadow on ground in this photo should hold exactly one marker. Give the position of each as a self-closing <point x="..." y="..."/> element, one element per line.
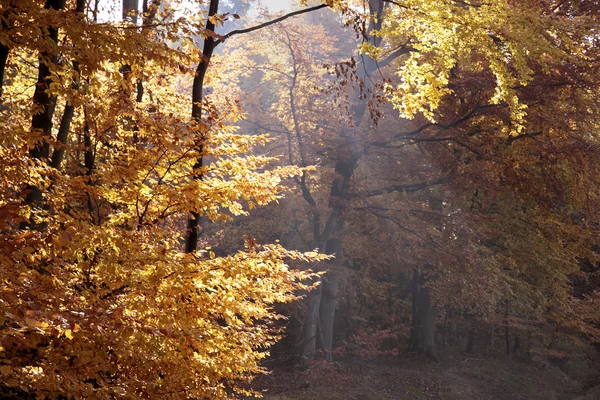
<point x="410" y="378"/>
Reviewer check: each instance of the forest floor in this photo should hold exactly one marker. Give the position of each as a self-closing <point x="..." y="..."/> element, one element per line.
<point x="459" y="377"/>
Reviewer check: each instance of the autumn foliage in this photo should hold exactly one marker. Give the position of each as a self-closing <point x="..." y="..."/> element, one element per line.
<point x="98" y="298"/>
<point x="457" y="154"/>
<point x="459" y="168"/>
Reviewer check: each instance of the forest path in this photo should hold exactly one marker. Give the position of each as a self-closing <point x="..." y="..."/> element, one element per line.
<point x="459" y="378"/>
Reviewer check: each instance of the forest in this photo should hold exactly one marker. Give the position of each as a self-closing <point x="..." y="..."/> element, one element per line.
<point x="311" y="199"/>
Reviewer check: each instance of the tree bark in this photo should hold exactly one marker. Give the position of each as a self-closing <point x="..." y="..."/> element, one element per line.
<point x="63" y="131"/>
<point x="191" y="240"/>
<point x="45" y="103"/>
<point x="506" y="330"/>
<point x="4" y="50"/>
<point x="130" y="10"/>
<point x="327" y="312"/>
<point x="67" y="117"/>
<point x="332" y="235"/>
<point x="311" y="324"/>
<point x="149" y="11"/>
<point x="148" y="15"/>
<point x="517" y="344"/>
<point x="331" y="238"/>
<point x="471" y="340"/>
<point x="424" y="317"/>
<point x="415" y="323"/>
<point x="333" y="230"/>
<point x="426" y="332"/>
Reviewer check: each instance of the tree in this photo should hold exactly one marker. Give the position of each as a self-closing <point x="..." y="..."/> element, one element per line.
<point x="515" y="252"/>
<point x="98" y="297"/>
<point x="106" y="292"/>
<point x="469" y="76"/>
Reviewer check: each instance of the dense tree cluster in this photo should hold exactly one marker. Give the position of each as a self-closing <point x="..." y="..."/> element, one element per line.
<point x="478" y="203"/>
<point x="437" y="161"/>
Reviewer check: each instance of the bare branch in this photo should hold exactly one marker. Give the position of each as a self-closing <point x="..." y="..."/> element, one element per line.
<point x="531" y="135"/>
<point x="268" y="23"/>
<point x="408" y="188"/>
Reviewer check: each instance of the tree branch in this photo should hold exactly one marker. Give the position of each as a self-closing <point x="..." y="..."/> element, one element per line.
<point x="268" y="23"/>
<point x="531" y="135"/>
<point x="450" y="139"/>
<point x="399" y="225"/>
<point x="395" y="54"/>
<point x="406" y="134"/>
<point x="409" y="188"/>
<point x="396" y="3"/>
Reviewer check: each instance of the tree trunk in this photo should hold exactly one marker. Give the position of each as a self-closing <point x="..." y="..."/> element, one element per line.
<point x="331" y="237"/>
<point x="444" y="334"/>
<point x="491" y="337"/>
<point x="130" y="10"/>
<point x="339" y="195"/>
<point x="192" y="234"/>
<point x="3" y="58"/>
<point x="471" y="340"/>
<point x="415" y="286"/>
<point x="4" y="50"/>
<point x="424" y="317"/>
<point x="517" y="344"/>
<point x="311" y="324"/>
<point x="148" y="15"/>
<point x="331" y="242"/>
<point x="426" y="332"/>
<point x="506" y="330"/>
<point x="327" y="311"/>
<point x="69" y="112"/>
<point x="41" y="122"/>
<point x="333" y="246"/>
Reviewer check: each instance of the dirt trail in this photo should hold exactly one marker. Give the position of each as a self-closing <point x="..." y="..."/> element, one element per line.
<point x="459" y="378"/>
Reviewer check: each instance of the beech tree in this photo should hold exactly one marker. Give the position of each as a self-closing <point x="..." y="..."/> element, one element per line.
<point x="483" y="179"/>
<point x="104" y="292"/>
<point x="467" y="80"/>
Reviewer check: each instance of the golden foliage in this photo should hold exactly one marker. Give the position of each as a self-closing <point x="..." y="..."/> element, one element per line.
<point x="97" y="298"/>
